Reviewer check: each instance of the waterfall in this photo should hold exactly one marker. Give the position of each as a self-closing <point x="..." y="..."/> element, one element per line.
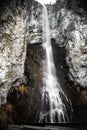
<point x="52" y="107"/>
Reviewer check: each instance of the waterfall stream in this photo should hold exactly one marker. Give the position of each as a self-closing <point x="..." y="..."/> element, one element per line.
<point x="52" y="107"/>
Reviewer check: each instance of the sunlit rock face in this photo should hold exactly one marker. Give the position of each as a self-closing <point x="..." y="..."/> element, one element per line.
<point x="69" y="28"/>
<point x="34" y="22"/>
<point x="18" y="26"/>
<point x="12" y="46"/>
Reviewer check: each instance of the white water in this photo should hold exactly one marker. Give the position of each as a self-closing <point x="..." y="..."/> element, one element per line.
<point x="52" y="109"/>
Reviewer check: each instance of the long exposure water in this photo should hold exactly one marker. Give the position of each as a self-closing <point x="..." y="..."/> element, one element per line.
<point x="52" y="107"/>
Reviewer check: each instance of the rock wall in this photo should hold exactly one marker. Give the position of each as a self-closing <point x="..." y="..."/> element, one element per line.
<point x="69" y="28"/>
<point x="12" y="47"/>
<point x="34" y="22"/>
<point x="17" y="19"/>
<point x="21" y="23"/>
<point x="21" y="56"/>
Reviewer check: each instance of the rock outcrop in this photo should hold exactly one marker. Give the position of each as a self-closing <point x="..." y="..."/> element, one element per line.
<point x="12" y="46"/>
<point x="69" y="29"/>
<point x="34" y="22"/>
<point x="19" y="26"/>
<point x="21" y="55"/>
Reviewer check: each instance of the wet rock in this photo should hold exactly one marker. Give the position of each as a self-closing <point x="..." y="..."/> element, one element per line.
<point x="34" y="66"/>
<point x="76" y="94"/>
<point x="46" y="127"/>
<point x="6" y="115"/>
<point x="19" y="97"/>
<point x="26" y="103"/>
<point x="83" y="94"/>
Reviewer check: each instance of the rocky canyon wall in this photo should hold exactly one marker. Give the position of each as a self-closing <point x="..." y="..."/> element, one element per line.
<point x="17" y="20"/>
<point x="21" y="23"/>
<point x="22" y="55"/>
<point x="68" y="22"/>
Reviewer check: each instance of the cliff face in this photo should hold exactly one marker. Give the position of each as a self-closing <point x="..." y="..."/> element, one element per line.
<point x="21" y="53"/>
<point x="21" y="23"/>
<point x="34" y="22"/>
<point x="12" y="47"/>
<point x="17" y="20"/>
<point x="69" y="28"/>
